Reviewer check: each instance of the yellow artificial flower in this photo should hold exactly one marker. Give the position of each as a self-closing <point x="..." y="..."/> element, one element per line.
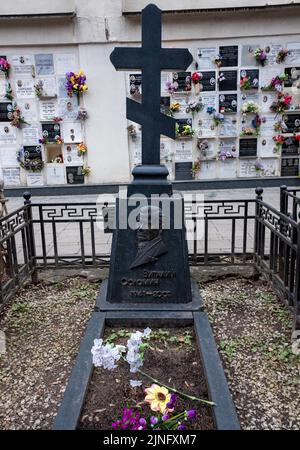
<point x="158" y="397"/>
<point x="84" y="88"/>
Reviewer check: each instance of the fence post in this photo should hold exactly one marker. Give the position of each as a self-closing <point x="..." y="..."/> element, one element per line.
<point x="283" y="210"/>
<point x="297" y="283"/>
<point x="257" y="227"/>
<point x="27" y="202"/>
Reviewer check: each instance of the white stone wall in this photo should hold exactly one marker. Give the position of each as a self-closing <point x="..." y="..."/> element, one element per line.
<point x="99" y="26"/>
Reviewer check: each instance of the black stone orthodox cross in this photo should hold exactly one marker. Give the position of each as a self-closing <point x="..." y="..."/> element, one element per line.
<point x="151" y="59"/>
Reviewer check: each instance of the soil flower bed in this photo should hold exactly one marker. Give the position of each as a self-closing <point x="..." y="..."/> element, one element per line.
<point x="171" y="357"/>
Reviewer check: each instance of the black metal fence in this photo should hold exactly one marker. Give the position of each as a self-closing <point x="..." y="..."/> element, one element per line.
<point x="220" y="232"/>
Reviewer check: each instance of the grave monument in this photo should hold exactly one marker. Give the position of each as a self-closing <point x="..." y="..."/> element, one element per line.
<point x="149" y="267"/>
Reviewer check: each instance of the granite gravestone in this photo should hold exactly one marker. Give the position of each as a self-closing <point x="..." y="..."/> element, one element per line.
<point x="149" y="267"/>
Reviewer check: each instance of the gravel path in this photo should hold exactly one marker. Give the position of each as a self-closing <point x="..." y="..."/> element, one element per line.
<point x="43" y="327"/>
<point x="253" y="331"/>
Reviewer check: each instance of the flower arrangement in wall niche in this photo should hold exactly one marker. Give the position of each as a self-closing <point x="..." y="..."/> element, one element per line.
<point x="196" y="77"/>
<point x="17" y="120"/>
<point x="218" y="118"/>
<point x="196" y="166"/>
<point x="280" y="126"/>
<point x="282" y="103"/>
<point x="254" y="130"/>
<point x="5" y="67"/>
<point x="32" y="165"/>
<point x="57" y="140"/>
<point x="218" y="60"/>
<point x="8" y="91"/>
<point x="276" y="84"/>
<point x="76" y="83"/>
<point x="86" y="171"/>
<point x="221" y="77"/>
<point x="159" y="407"/>
<point x="279" y="141"/>
<point x="250" y="107"/>
<point x="260" y="56"/>
<point x="82" y="148"/>
<point x="184" y="131"/>
<point x="245" y="84"/>
<point x="194" y="106"/>
<point x="171" y="87"/>
<point x="82" y="114"/>
<point x="282" y="55"/>
<point x="226" y="154"/>
<point x="175" y="108"/>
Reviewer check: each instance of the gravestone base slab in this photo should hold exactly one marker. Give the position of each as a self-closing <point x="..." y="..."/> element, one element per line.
<point x="103" y="305"/>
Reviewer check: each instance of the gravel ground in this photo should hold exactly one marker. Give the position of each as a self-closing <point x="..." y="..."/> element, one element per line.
<point x="44" y="326"/>
<point x="253" y="331"/>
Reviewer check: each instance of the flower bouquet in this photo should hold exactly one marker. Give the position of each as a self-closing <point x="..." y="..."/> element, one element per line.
<point x="218" y="118"/>
<point x="160" y="400"/>
<point x="250" y="107"/>
<point x="282" y="103"/>
<point x="245" y="84"/>
<point x="229" y="154"/>
<point x="184" y="131"/>
<point x="249" y="131"/>
<point x="8" y="91"/>
<point x="276" y="83"/>
<point x="4" y="67"/>
<point x="57" y="160"/>
<point x="171" y="87"/>
<point x="32" y="165"/>
<point x="174" y="107"/>
<point x="82" y="148"/>
<point x="280" y="126"/>
<point x="17" y="120"/>
<point x="218" y="60"/>
<point x="282" y="55"/>
<point x="261" y="56"/>
<point x="76" y="83"/>
<point x="57" y="140"/>
<point x="196" y="77"/>
<point x="194" y="106"/>
<point x="279" y="141"/>
<point x="86" y="171"/>
<point x="82" y="114"/>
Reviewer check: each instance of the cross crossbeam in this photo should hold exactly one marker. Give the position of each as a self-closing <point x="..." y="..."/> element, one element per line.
<point x="151" y="59"/>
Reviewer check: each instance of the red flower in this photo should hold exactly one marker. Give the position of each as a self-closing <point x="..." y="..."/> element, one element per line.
<point x="297" y="137"/>
<point x="287" y="99"/>
<point x="196" y="77"/>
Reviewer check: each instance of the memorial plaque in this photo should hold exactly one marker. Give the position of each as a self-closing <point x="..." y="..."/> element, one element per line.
<point x="183" y="80"/>
<point x="208" y="81"/>
<point x="183" y="171"/>
<point x="253" y="75"/>
<point x="44" y="64"/>
<point x="206" y="57"/>
<point x="293" y="74"/>
<point x="248" y="147"/>
<point x="74" y="175"/>
<point x="32" y="152"/>
<point x="135" y="83"/>
<point x="290" y="147"/>
<point x="6" y="112"/>
<point x="230" y="82"/>
<point x="289" y="167"/>
<point x="165" y="105"/>
<point x="50" y="131"/>
<point x="228" y="103"/>
<point x="229" y="55"/>
<point x="292" y="122"/>
<point x="248" y="58"/>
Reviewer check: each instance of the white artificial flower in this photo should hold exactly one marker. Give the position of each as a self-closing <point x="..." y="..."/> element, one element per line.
<point x="147" y="332"/>
<point x="135" y="383"/>
<point x="105" y="355"/>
